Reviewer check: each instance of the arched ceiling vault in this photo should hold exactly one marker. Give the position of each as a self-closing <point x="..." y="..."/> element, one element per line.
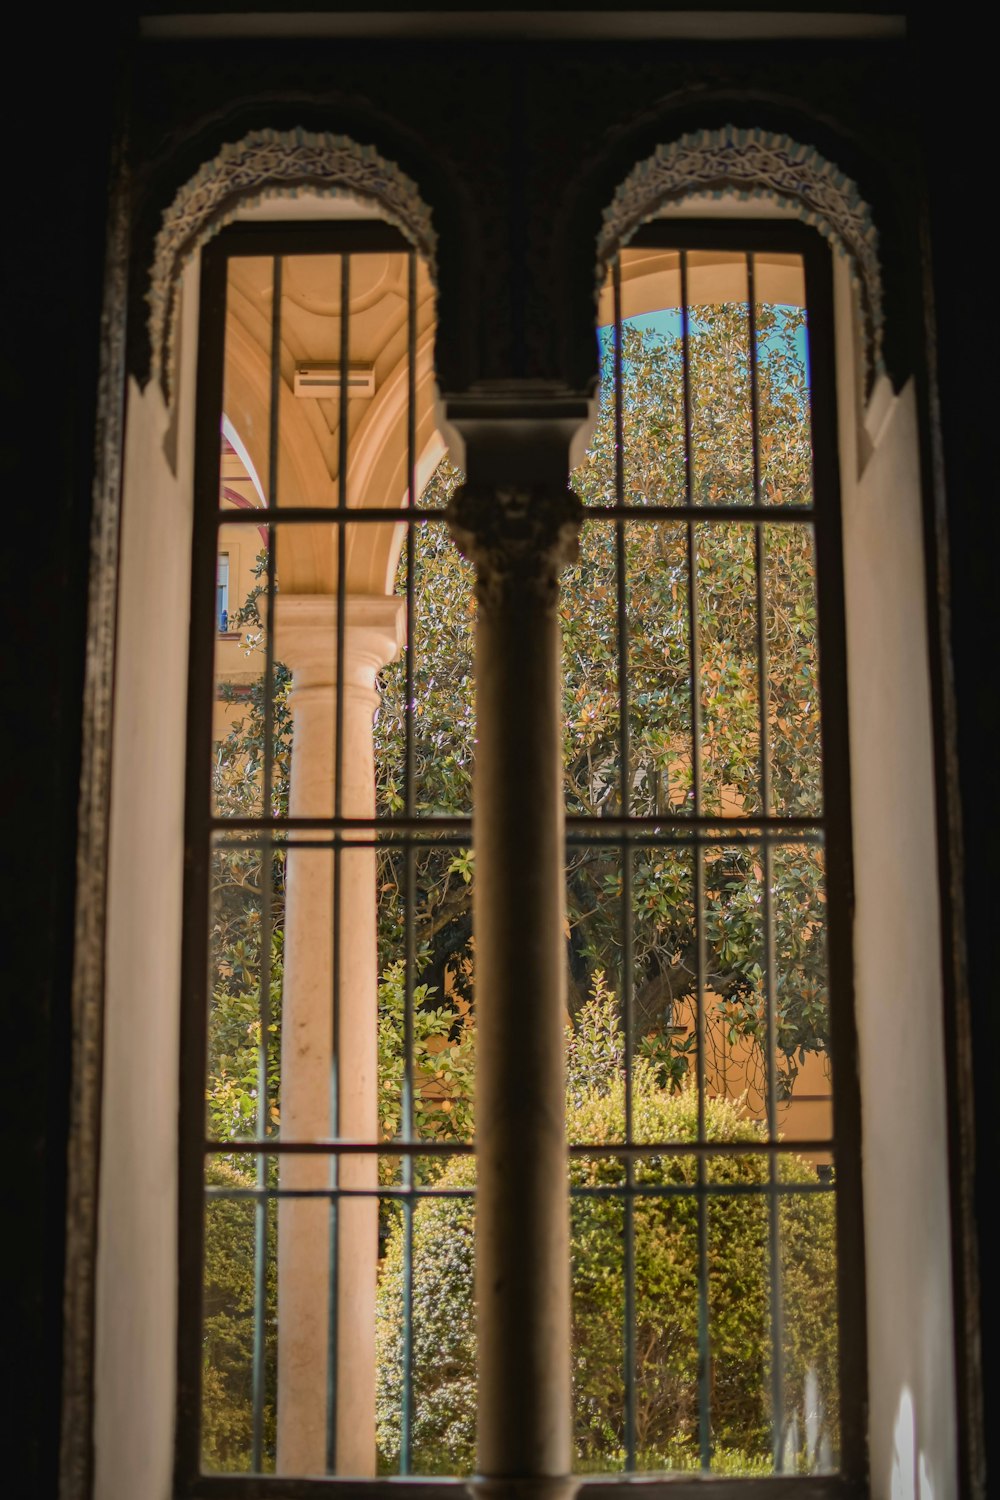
<point x="309" y="427"/>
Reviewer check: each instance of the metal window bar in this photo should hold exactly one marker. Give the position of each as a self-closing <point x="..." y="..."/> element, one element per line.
<point x="770" y="976"/>
<point x="715" y="515"/>
<point x="694" y="658"/>
<point x="712" y="828"/>
<point x="267" y="862"/>
<point x="624" y="794"/>
<point x="338" y="778"/>
<point x="581" y="1190"/>
<point x="409" y="877"/>
<point x="637" y="1149"/>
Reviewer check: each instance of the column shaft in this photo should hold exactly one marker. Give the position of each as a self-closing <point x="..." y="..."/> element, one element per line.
<point x="518" y="541"/>
<point x="329" y="1061"/>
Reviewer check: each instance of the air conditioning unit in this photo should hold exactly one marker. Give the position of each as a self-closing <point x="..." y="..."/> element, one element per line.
<point x="323" y="380"/>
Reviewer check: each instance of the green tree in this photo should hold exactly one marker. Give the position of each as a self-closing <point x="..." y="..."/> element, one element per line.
<point x="659" y="776"/>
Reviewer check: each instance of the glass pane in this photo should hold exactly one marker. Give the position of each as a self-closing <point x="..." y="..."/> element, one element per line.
<point x="442" y="648"/>
<point x="729" y="683"/>
<point x="595" y="1031"/>
<point x="736" y="1052"/>
<point x="807" y="1227"/>
<point x="310" y="386"/>
<point x="425" y="1307"/>
<point x="652" y="379"/>
<point x="440" y="1068"/>
<point x="588" y="608"/>
<point x="238" y="1328"/>
<point x="739" y="1320"/>
<point x="782" y="380"/>
<point x="803" y="1068"/>
<point x="245" y="703"/>
<point x="659" y="669"/>
<point x="597" y="1229"/>
<point x="245" y="469"/>
<point x="719" y="334"/>
<point x="793" y="707"/>
<point x="667" y="1333"/>
<point x="246" y="973"/>
<point x="665" y="962"/>
<point x="389" y="1339"/>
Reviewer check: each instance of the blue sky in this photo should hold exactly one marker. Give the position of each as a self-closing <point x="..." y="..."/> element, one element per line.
<point x="666" y="322"/>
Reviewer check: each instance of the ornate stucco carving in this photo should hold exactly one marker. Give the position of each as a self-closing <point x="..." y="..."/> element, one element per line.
<point x="76" y="1455"/>
<point x="757" y="164"/>
<point x="519" y="538"/>
<point x="269" y="164"/>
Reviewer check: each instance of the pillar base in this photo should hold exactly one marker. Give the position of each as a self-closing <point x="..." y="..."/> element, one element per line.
<point x="549" y="1487"/>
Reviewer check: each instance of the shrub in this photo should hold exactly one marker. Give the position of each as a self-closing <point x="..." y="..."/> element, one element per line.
<point x="666" y="1242"/>
<point x="228" y="1329"/>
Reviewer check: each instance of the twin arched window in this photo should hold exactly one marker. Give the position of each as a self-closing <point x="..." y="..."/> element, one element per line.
<point x="328" y="1173"/>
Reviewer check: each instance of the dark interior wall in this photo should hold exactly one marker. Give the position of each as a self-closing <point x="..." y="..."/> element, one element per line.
<point x="517" y="148"/>
<point x="955" y="80"/>
<point x="57" y="116"/>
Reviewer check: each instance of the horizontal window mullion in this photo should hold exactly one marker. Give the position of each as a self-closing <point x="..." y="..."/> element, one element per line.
<point x="331" y="1194"/>
<point x="803" y="514"/>
<point x="432" y="823"/>
<point x="328" y="515"/>
<point x="691" y="1190"/>
<point x="690" y="838"/>
<point x="637" y="1149"/>
<point x="334" y="1147"/>
<point x="604" y="1149"/>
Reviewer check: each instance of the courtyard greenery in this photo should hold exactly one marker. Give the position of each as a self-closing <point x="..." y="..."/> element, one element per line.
<point x="665" y="1233"/>
<point x="248" y="899"/>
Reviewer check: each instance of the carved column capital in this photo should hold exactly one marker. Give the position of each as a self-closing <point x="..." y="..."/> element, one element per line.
<point x="519" y="537"/>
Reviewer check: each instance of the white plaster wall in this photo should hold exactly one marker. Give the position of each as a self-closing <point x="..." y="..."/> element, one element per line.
<point x="897" y="944"/>
<point x="137" y="1218"/>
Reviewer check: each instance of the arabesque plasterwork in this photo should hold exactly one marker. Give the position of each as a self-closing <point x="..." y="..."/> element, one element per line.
<point x="757" y="164"/>
<point x="270" y="164"/>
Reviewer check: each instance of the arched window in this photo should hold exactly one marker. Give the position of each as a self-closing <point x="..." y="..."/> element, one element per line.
<point x="708" y="853"/>
<point x="330" y="1013"/>
<point x="709" y="868"/>
<point x="315" y="854"/>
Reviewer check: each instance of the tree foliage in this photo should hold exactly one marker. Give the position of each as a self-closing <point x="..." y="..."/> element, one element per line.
<point x="659" y="777"/>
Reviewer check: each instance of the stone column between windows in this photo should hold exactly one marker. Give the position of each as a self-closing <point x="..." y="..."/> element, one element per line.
<point x="519" y="537"/>
<point x="306" y="640"/>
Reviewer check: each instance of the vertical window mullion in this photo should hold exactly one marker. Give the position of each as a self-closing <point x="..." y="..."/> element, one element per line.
<point x="267" y="877"/>
<point x="338" y="872"/>
<point x="410" y="881"/>
<point x="624" y="770"/>
<point x="694" y="648"/>
<point x="770" y="979"/>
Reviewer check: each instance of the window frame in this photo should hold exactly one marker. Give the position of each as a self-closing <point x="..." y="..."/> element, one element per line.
<point x="284" y="239"/>
<point x="322" y="237"/>
<point x="779" y="235"/>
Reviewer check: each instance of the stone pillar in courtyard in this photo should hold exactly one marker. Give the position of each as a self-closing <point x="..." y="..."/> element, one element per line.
<point x="519" y="535"/>
<point x="305" y="639"/>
